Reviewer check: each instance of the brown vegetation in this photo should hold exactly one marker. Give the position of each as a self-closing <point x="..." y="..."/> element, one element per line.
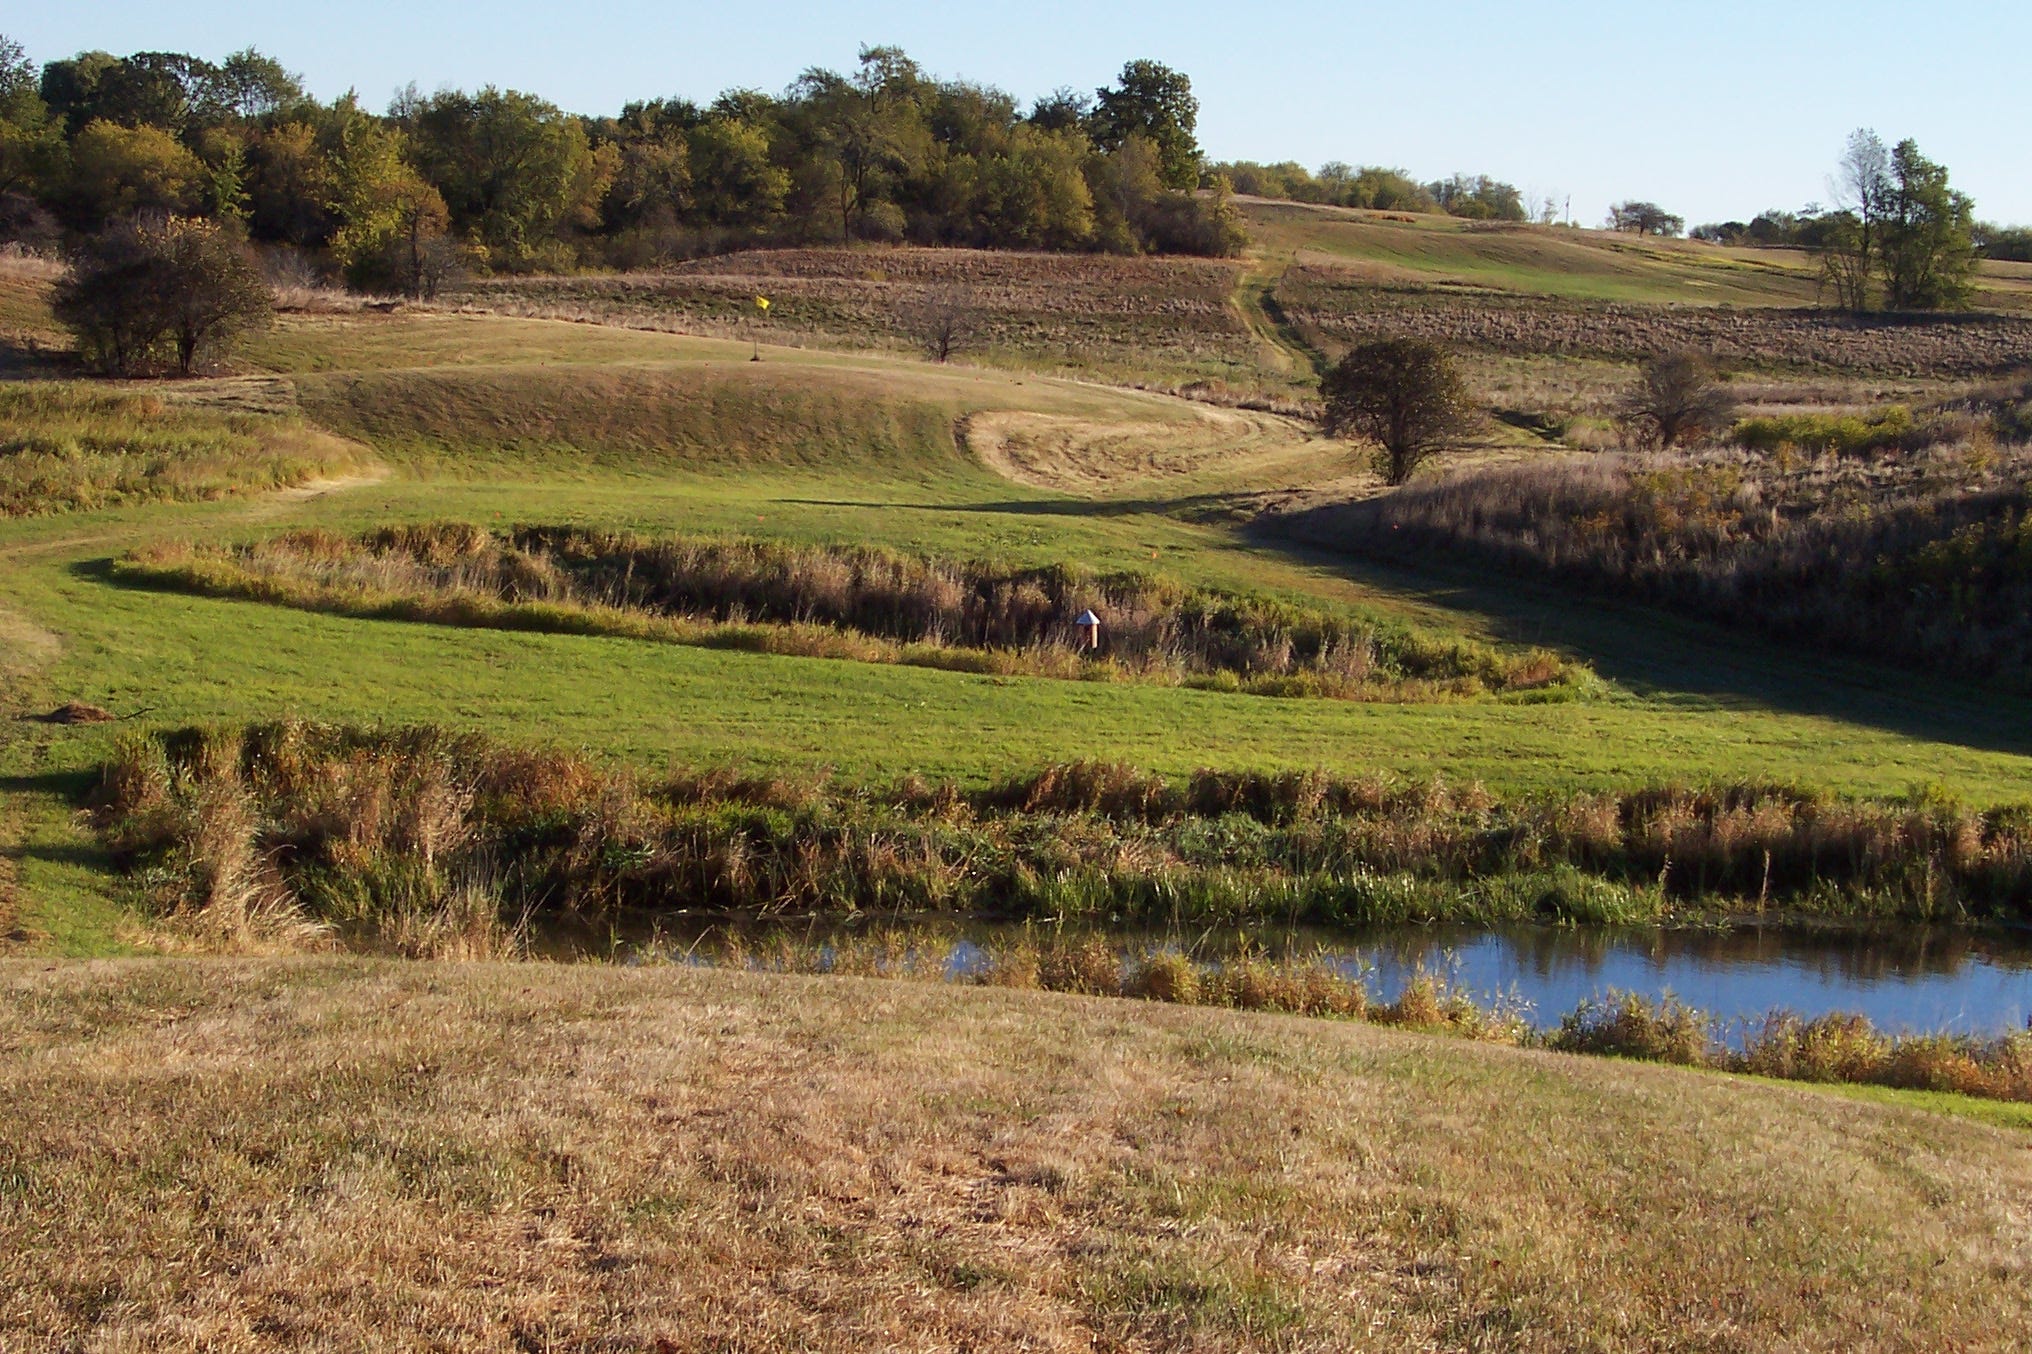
<point x="1333" y="310"/>
<point x="242" y="1155"/>
<point x="290" y="825"/>
<point x="65" y="447"/>
<point x="1129" y="318"/>
<point x="1919" y="555"/>
<point x="852" y="602"/>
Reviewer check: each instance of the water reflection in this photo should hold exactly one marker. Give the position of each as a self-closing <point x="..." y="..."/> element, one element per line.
<point x="1909" y="981"/>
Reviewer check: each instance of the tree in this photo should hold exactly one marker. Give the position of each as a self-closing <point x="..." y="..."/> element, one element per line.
<point x="514" y="171"/>
<point x="946" y="321"/>
<point x="1645" y="218"/>
<point x="1927" y="242"/>
<point x="123" y="171"/>
<point x="1849" y="244"/>
<point x="172" y="287"/>
<point x="1156" y="103"/>
<point x="211" y="292"/>
<point x="867" y="127"/>
<point x="1405" y="396"/>
<point x="1477" y="197"/>
<point x="1901" y="232"/>
<point x="1677" y="397"/>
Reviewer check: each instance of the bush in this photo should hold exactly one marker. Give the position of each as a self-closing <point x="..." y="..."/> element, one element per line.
<point x="1843" y="434"/>
<point x="146" y="293"/>
<point x="1624" y="1024"/>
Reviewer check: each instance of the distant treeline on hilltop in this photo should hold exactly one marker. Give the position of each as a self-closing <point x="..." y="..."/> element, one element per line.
<point x="504" y="181"/>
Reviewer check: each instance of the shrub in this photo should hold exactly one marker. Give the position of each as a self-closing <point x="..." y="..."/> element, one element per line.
<point x="1842" y="434"/>
<point x="143" y="293"/>
<point x="1626" y="1025"/>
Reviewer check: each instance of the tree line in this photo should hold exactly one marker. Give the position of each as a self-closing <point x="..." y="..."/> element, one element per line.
<point x="1475" y="197"/>
<point x="502" y="180"/>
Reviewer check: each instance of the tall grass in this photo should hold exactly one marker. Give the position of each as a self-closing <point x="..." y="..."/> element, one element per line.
<point x="370" y="831"/>
<point x="854" y="602"/>
<point x="1923" y="556"/>
<point x="65" y="446"/>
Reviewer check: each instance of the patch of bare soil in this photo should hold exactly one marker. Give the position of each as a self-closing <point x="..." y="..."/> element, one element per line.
<point x="75" y="712"/>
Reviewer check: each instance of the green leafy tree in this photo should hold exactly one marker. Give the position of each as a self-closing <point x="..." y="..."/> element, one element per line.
<point x="118" y="171"/>
<point x="1928" y="253"/>
<point x="1404" y="396"/>
<point x="393" y="221"/>
<point x="514" y="171"/>
<point x="1156" y="103"/>
<point x="734" y="180"/>
<point x="292" y="185"/>
<point x="1644" y="218"/>
<point x="868" y="128"/>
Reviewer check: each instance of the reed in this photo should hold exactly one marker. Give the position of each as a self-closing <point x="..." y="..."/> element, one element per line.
<point x="861" y="603"/>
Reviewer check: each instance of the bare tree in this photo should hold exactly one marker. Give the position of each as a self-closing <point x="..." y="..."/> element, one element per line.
<point x="1852" y="236"/>
<point x="947" y="320"/>
<point x="1677" y="397"/>
<point x="1405" y="396"/>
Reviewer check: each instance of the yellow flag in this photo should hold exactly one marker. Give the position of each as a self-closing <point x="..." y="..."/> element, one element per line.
<point x="761" y="303"/>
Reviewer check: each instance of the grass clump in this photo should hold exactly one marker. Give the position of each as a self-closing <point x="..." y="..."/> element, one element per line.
<point x="856" y="602"/>
<point x="65" y="447"/>
<point x="1883" y="429"/>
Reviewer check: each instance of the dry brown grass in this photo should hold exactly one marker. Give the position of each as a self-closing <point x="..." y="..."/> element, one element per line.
<point x="241" y="1156"/>
<point x="1334" y="307"/>
<point x="1168" y="320"/>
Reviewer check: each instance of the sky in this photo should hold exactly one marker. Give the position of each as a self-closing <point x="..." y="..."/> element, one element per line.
<point x="1714" y="110"/>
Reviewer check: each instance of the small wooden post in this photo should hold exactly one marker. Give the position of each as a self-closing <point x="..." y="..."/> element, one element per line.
<point x="1090" y="623"/>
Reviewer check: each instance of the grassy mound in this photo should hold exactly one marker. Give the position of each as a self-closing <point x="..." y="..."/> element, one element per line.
<point x="65" y="447"/>
<point x="648" y="419"/>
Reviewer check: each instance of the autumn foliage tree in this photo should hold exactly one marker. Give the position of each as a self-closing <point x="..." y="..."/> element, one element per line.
<point x="1403" y="395"/>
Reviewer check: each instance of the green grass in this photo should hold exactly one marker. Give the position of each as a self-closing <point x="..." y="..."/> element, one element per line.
<point x="1579" y="265"/>
<point x="834" y="449"/>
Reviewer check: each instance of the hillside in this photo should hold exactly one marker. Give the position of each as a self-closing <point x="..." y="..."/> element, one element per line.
<point x="259" y="1154"/>
<point x="485" y="1172"/>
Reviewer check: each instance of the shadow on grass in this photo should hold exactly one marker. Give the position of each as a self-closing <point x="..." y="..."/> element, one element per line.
<point x="72" y="787"/>
<point x="1675" y="661"/>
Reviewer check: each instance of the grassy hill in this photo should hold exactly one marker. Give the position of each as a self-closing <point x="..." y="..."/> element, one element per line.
<point x="241" y="1154"/>
<point x="563" y="1156"/>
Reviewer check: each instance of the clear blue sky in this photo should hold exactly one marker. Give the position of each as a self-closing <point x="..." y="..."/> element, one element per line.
<point x="1712" y="109"/>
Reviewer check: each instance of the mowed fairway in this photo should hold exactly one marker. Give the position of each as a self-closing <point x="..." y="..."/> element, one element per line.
<point x="241" y="1155"/>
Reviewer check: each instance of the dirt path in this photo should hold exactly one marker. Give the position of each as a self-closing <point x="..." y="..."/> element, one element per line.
<point x="1255" y="301"/>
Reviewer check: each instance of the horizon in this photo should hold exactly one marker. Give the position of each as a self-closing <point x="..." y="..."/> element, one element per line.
<point x="1773" y="136"/>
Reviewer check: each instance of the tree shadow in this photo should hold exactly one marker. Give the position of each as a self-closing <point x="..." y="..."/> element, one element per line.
<point x="1682" y="662"/>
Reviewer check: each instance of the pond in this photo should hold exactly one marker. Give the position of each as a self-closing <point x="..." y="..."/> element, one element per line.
<point x="1911" y="981"/>
<point x="1905" y="980"/>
